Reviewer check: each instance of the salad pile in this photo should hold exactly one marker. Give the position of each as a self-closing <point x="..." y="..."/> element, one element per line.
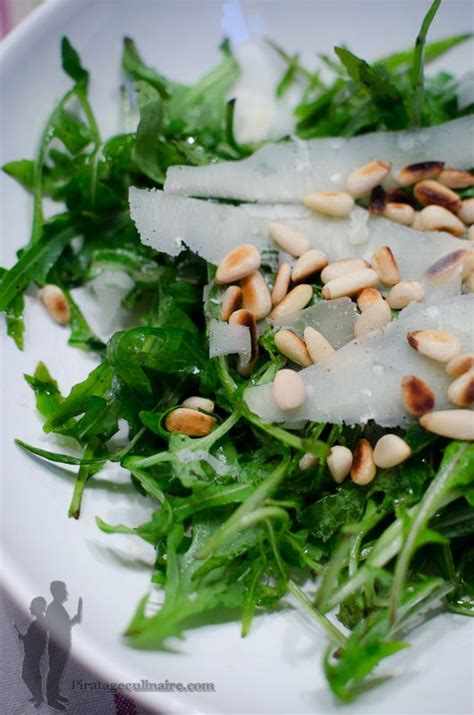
<point x="282" y="402"/>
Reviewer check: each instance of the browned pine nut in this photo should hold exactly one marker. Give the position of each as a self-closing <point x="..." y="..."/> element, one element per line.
<point x="190" y="422"/>
<point x="339" y="268"/>
<point x="319" y="348"/>
<point x="437" y="218"/>
<point x="363" y="468"/>
<point x="418" y="172"/>
<point x="339" y="462"/>
<point x="231" y="301"/>
<point x="289" y="238"/>
<point x="331" y="203"/>
<point x="361" y="181"/>
<point x="255" y="295"/>
<point x="444" y="267"/>
<point x="460" y="364"/>
<point x="435" y="344"/>
<point x="461" y="391"/>
<point x="367" y="297"/>
<point x="56" y="303"/>
<point x="282" y="283"/>
<point x="456" y="178"/>
<point x="430" y="193"/>
<point x="295" y="300"/>
<point x="239" y="263"/>
<point x="383" y="261"/>
<point x="350" y="284"/>
<point x="404" y="293"/>
<point x="399" y="213"/>
<point x="292" y="347"/>
<point x="390" y="450"/>
<point x="246" y="318"/>
<point x="455" y="424"/>
<point x="417" y="395"/>
<point x="288" y="390"/>
<point x="308" y="265"/>
<point x="377" y="200"/>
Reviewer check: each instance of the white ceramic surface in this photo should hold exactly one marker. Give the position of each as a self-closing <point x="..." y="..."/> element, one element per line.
<point x="277" y="668"/>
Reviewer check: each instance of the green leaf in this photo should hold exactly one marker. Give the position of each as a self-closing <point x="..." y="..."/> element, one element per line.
<point x="22" y="171"/>
<point x="47" y="394"/>
<point x="325" y="517"/>
<point x="133" y="65"/>
<point x="149" y="129"/>
<point x="417" y="71"/>
<point x="71" y="63"/>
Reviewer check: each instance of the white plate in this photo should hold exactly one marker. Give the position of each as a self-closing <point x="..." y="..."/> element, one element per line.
<point x="277" y="668"/>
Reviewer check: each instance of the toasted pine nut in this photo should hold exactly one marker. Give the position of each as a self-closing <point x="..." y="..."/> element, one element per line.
<point x="431" y="192"/>
<point x="247" y="319"/>
<point x="460" y="364"/>
<point x="377" y="200"/>
<point x="331" y="203"/>
<point x="319" y="348"/>
<point x="56" y="303"/>
<point x="190" y="422"/>
<point x="444" y="268"/>
<point x="308" y="265"/>
<point x="350" y="284"/>
<point x="399" y="213"/>
<point x="417" y="395"/>
<point x="361" y="181"/>
<point x="339" y="462"/>
<point x="255" y="295"/>
<point x="399" y="196"/>
<point x="296" y="299"/>
<point x="308" y="461"/>
<point x="231" y="301"/>
<point x="435" y="344"/>
<point x="455" y="424"/>
<point x="340" y="268"/>
<point x="383" y="261"/>
<point x="466" y="212"/>
<point x="437" y="218"/>
<point x="292" y="347"/>
<point x="367" y="297"/>
<point x="418" y="172"/>
<point x="404" y="293"/>
<point x="282" y="283"/>
<point x="416" y="223"/>
<point x="375" y="317"/>
<point x="363" y="468"/>
<point x="461" y="391"/>
<point x="239" y="263"/>
<point x="470" y="233"/>
<point x="290" y="239"/>
<point x="456" y="178"/>
<point x="390" y="450"/>
<point x="288" y="390"/>
<point x="198" y="403"/>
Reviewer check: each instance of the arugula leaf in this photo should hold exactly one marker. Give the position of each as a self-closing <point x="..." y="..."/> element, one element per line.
<point x="71" y="63"/>
<point x="417" y="72"/>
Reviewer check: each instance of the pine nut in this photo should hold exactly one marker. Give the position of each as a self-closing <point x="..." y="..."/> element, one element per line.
<point x="367" y="297"/>
<point x="292" y="347"/>
<point x="288" y="390"/>
<point x="239" y="263"/>
<point x="290" y="239"/>
<point x="331" y="203"/>
<point x="399" y="196"/>
<point x="383" y="261"/>
<point x="363" y="468"/>
<point x="404" y="293"/>
<point x="433" y="193"/>
<point x="190" y="422"/>
<point x="418" y="172"/>
<point x="198" y="403"/>
<point x="339" y="462"/>
<point x="375" y="317"/>
<point x="231" y="301"/>
<point x="390" y="450"/>
<point x="461" y="391"/>
<point x="361" y="181"/>
<point x="417" y="395"/>
<point x="456" y="178"/>
<point x="399" y="213"/>
<point x="435" y="344"/>
<point x="416" y="223"/>
<point x="466" y="212"/>
<point x="255" y="295"/>
<point x="295" y="300"/>
<point x="460" y="364"/>
<point x="247" y="319"/>
<point x="455" y="424"/>
<point x="308" y="461"/>
<point x="377" y="200"/>
<point x="319" y="348"/>
<point x="444" y="268"/>
<point x="56" y="303"/>
<point x="470" y="233"/>
<point x="437" y="218"/>
<point x="340" y="268"/>
<point x="282" y="283"/>
<point x="350" y="284"/>
<point x="308" y="265"/>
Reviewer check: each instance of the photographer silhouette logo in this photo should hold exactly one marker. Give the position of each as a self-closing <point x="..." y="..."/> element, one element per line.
<point x="51" y="631"/>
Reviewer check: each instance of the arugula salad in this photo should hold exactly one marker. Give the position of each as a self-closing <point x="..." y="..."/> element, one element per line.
<point x="298" y="384"/>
